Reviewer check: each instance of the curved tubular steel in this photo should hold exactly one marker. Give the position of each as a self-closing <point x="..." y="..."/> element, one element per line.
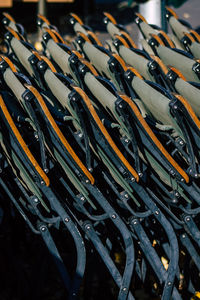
<point x="192" y="229"/>
<point x="151" y="255"/>
<point x="103" y="252"/>
<point x="125" y="233"/>
<point x="18" y="207"/>
<point x="174" y="255"/>
<point x="185" y="240"/>
<point x="50" y="244"/>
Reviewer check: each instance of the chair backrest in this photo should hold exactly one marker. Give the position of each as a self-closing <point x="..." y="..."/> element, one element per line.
<point x="179" y="61"/>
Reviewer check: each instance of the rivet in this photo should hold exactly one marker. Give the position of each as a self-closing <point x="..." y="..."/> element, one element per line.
<point x="114" y="216"/>
<point x="126" y="196"/>
<point x="124" y="289"/>
<point x="87" y="181"/>
<point x="169" y="283"/>
<point x="175" y="106"/>
<point x="88" y="227"/>
<point x="157" y="212"/>
<point x="42" y="182"/>
<point x="36" y="200"/>
<point x="187" y="219"/>
<point x="43" y="228"/>
<point x="183" y="236"/>
<point x="66" y="220"/>
<point x="82" y="198"/>
<point x="132" y="179"/>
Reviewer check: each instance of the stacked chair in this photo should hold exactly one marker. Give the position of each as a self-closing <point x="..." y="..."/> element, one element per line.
<point x="100" y="153"/>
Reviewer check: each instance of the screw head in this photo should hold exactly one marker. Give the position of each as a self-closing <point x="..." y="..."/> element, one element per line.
<point x="43" y="228"/>
<point x="36" y="200"/>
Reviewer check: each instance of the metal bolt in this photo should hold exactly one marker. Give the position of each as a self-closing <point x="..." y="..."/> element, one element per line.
<point x="26" y="97"/>
<point x="90" y="169"/>
<point x="126" y="196"/>
<point x="135" y="222"/>
<point x="87" y="181"/>
<point x="46" y="170"/>
<point x="42" y="182"/>
<point x="187" y="219"/>
<point x="112" y="64"/>
<point x="169" y="283"/>
<point x="43" y="228"/>
<point x="181" y="142"/>
<point x="182" y="179"/>
<point x="157" y="212"/>
<point x="140" y="174"/>
<point x="73" y="61"/>
<point x="66" y="220"/>
<point x="88" y="227"/>
<point x="175" y="106"/>
<point x="126" y="140"/>
<point x="114" y="216"/>
<point x="172" y="172"/>
<point x="195" y="175"/>
<point x="183" y="236"/>
<point x="177" y="194"/>
<point x="124" y="289"/>
<point x="132" y="179"/>
<point x="36" y="200"/>
<point x="120" y="106"/>
<point x="170" y="77"/>
<point x="82" y="198"/>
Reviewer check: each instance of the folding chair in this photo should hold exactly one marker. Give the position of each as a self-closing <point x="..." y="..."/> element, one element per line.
<point x="36" y="191"/>
<point x="79" y="183"/>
